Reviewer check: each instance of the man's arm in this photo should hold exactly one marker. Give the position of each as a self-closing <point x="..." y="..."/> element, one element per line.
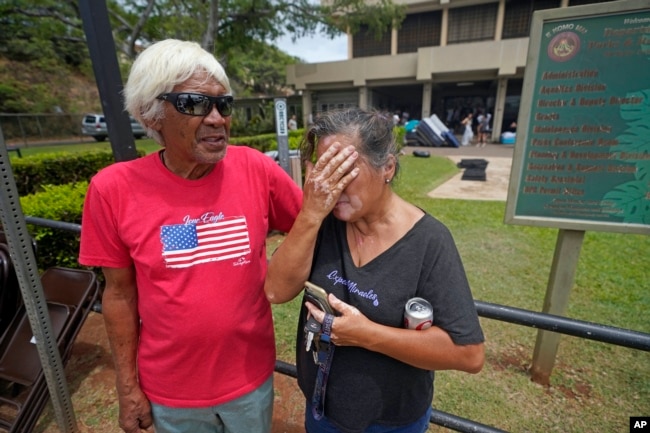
<point x="120" y="311"/>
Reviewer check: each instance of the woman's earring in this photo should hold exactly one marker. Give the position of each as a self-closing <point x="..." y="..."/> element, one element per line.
<point x="387" y="180"/>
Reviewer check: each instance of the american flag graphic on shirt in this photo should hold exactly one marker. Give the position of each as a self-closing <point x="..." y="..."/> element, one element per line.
<point x="186" y="245"/>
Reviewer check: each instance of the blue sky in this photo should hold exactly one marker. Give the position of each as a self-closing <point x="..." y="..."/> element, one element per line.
<point x="316" y="48"/>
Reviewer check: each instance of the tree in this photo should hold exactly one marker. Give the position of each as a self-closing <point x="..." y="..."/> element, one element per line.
<point x="40" y="46"/>
<point x="221" y="26"/>
<point x="238" y="31"/>
<point x="229" y="26"/>
<point x="260" y="72"/>
<point x="49" y="30"/>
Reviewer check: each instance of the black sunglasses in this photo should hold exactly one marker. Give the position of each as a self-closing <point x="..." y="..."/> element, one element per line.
<point x="196" y="104"/>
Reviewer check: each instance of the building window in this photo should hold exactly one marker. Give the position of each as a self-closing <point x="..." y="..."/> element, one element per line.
<point x="419" y="30"/>
<point x="473" y="23"/>
<point x="366" y="44"/>
<point x="516" y="23"/>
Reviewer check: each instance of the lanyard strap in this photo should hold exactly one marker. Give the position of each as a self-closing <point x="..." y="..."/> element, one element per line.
<point x="324" y="363"/>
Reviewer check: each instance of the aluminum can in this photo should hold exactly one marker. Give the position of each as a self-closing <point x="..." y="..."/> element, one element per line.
<point x="418" y="314"/>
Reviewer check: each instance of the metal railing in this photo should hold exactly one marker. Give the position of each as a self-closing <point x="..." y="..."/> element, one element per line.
<point x="577" y="328"/>
<point x="562" y="325"/>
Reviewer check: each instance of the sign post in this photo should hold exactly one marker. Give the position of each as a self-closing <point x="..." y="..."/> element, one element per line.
<point x="563" y="270"/>
<point x="282" y="133"/>
<point x="94" y="17"/>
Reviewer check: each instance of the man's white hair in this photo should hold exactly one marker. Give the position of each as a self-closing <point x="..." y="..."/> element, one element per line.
<point x="158" y="69"/>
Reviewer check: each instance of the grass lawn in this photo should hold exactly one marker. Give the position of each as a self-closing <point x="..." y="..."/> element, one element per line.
<point x="146" y="144"/>
<point x="595" y="387"/>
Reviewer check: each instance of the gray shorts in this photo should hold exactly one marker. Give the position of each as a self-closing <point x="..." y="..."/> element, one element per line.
<point x="250" y="413"/>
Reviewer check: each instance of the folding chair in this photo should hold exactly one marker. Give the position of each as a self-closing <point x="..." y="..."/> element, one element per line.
<point x="70" y="295"/>
<point x="20" y="364"/>
<point x="78" y="289"/>
<point x="10" y="298"/>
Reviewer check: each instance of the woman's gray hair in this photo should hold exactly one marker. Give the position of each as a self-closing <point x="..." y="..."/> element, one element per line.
<point x="373" y="128"/>
<point x="158" y="69"/>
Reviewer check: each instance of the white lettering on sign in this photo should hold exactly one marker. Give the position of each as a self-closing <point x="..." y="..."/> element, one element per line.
<point x="281" y="118"/>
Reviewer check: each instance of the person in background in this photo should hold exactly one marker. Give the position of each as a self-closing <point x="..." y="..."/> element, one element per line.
<point x="292" y="124"/>
<point x="483" y="128"/>
<point x="371" y="251"/>
<point x="180" y="236"/>
<point x="468" y="133"/>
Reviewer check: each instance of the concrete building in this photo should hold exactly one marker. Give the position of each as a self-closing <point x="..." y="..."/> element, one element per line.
<point x="447" y="57"/>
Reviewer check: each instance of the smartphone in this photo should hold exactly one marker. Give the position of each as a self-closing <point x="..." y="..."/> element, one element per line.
<point x="317" y="296"/>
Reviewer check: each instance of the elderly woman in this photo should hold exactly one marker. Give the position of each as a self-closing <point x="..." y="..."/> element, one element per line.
<point x="371" y="251"/>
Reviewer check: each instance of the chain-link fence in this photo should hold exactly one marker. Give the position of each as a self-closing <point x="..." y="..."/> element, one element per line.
<point x="24" y="130"/>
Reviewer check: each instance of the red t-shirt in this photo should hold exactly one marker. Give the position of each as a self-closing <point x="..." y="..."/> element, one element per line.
<point x="198" y="247"/>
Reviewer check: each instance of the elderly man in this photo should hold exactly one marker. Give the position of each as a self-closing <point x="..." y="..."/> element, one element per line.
<point x="180" y="236"/>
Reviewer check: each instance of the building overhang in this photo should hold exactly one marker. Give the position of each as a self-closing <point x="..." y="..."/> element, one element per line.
<point x="504" y="57"/>
<point x="474" y="60"/>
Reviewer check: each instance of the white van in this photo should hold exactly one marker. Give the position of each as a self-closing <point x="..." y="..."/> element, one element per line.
<point x="95" y="125"/>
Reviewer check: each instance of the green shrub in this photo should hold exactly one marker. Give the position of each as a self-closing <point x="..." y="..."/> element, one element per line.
<point x="59" y="203"/>
<point x="266" y="142"/>
<point x="400" y="133"/>
<point x="261" y="123"/>
<point x="53" y="186"/>
<point x="13" y="96"/>
<point x="34" y="171"/>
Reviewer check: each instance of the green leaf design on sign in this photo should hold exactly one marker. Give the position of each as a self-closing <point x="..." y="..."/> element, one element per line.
<point x="630" y="197"/>
<point x="633" y="197"/>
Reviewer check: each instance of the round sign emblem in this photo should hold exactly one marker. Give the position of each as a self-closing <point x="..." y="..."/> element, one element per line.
<point x="564" y="46"/>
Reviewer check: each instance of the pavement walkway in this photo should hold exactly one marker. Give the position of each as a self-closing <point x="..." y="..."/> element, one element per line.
<point x="495" y="187"/>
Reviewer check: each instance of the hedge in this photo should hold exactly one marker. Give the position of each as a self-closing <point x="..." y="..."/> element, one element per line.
<point x="58" y="203"/>
<point x="266" y="142"/>
<point x="53" y="186"/>
<point x="34" y="171"/>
